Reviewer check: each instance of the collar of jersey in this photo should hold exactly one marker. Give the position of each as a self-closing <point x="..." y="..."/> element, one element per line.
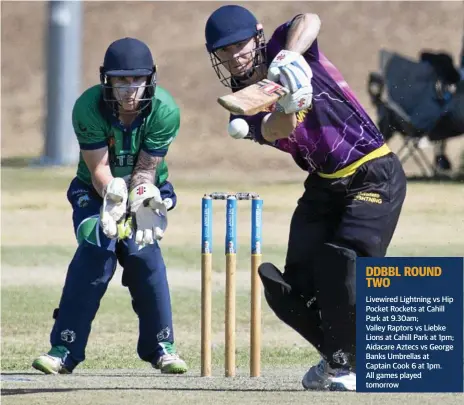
<point x="135" y="124"/>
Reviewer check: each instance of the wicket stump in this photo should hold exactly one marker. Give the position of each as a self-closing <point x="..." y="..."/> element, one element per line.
<point x="231" y="267"/>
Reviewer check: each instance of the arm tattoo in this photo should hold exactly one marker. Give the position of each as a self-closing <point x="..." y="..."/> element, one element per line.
<point x="145" y="169"/>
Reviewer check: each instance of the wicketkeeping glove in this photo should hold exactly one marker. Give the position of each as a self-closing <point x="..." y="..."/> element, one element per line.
<point x="293" y="72"/>
<point x="149" y="214"/>
<point x="114" y="207"/>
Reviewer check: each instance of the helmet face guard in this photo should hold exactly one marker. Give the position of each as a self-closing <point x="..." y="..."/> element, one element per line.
<point x="223" y="68"/>
<point x="128" y="57"/>
<point x="144" y="93"/>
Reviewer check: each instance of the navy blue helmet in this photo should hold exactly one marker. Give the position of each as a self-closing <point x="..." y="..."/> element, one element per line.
<point x="128" y="57"/>
<point x="229" y="25"/>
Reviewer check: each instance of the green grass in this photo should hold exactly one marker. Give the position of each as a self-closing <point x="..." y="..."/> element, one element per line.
<point x="27" y="320"/>
<point x="188" y="257"/>
<point x="27" y="309"/>
<point x="179" y="257"/>
<point x="37" y="178"/>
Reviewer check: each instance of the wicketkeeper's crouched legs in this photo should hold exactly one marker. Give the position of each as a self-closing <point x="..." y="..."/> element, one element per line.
<point x="89" y="273"/>
<point x="145" y="276"/>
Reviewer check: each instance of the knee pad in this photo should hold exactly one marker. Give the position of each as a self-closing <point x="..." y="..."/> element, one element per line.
<point x="276" y="290"/>
<point x="291" y="308"/>
<point x="276" y="286"/>
<point x="273" y="280"/>
<point x="279" y="294"/>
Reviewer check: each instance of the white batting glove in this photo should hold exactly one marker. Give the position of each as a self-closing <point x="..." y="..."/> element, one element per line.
<point x="114" y="206"/>
<point x="149" y="212"/>
<point x="294" y="73"/>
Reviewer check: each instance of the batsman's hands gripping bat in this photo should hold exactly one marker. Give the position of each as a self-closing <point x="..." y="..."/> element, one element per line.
<point x="293" y="72"/>
<point x="113" y="210"/>
<point x="149" y="214"/>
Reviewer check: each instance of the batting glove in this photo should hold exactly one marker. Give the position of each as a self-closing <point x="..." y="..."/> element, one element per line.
<point x="114" y="207"/>
<point x="149" y="212"/>
<point x="293" y="72"/>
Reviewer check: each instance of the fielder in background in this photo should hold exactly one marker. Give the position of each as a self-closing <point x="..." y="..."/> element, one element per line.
<point x="353" y="194"/>
<point x="124" y="127"/>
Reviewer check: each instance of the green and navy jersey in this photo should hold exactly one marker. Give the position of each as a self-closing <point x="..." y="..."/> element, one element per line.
<point x="96" y="127"/>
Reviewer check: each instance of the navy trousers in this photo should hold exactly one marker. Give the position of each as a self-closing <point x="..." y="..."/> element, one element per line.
<point x="92" y="268"/>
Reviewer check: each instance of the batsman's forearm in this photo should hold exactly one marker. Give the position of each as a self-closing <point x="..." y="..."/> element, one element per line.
<point x="278" y="125"/>
<point x="303" y="33"/>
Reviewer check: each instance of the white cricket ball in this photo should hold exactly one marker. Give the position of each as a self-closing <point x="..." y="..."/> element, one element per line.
<point x="238" y="128"/>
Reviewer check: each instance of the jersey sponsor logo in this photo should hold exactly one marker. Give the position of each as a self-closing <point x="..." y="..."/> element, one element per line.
<point x="123" y="160"/>
<point x="78" y="191"/>
<point x="375" y="198"/>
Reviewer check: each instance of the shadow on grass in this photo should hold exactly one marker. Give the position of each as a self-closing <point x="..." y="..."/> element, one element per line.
<point x="19" y="162"/>
<point x="18" y="374"/>
<point x="26" y="391"/>
<point x="25" y="162"/>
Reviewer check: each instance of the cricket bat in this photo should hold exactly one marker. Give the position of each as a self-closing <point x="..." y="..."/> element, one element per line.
<point x="254" y="98"/>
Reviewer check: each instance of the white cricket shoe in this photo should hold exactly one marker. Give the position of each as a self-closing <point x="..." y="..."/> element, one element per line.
<point x="170" y="362"/>
<point x="324" y="378"/>
<point x="53" y="361"/>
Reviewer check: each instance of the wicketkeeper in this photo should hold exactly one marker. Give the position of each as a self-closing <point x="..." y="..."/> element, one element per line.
<point x="354" y="191"/>
<point x="120" y="198"/>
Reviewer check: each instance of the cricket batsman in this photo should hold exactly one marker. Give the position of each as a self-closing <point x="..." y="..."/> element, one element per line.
<point x="353" y="194"/>
<point x="120" y="198"/>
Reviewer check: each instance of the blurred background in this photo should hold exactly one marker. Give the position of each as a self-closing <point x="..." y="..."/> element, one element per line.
<point x="352" y="35"/>
<point x="37" y="235"/>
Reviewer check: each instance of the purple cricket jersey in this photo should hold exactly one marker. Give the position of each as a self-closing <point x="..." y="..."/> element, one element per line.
<point x="335" y="131"/>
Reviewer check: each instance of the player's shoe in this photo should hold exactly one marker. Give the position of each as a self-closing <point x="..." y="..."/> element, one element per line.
<point x="170" y="362"/>
<point x="322" y="377"/>
<point x="53" y="361"/>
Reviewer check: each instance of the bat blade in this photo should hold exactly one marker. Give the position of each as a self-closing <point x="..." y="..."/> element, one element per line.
<point x="254" y="98"/>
